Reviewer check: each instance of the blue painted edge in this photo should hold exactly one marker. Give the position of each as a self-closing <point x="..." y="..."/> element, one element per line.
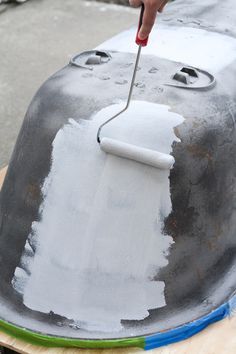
<point x="188" y="330"/>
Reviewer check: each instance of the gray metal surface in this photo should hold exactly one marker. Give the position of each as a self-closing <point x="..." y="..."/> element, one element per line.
<point x="200" y="275"/>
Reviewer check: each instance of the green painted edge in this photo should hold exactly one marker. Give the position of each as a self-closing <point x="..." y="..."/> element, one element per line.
<point x="50" y="341"/>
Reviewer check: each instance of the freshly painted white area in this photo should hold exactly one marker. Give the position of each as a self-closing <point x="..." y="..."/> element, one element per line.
<point x="100" y="242"/>
<point x="196" y="47"/>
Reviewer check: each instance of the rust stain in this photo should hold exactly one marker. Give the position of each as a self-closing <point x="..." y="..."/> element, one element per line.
<point x="33" y="192"/>
<point x="199" y="151"/>
<point x="174" y="224"/>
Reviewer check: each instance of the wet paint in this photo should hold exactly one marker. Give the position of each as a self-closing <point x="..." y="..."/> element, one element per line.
<point x="101" y="223"/>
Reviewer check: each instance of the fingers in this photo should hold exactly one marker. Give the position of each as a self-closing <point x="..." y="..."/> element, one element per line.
<point x="135" y="3"/>
<point x="149" y="16"/>
<point x="161" y="8"/>
<point x="150" y="12"/>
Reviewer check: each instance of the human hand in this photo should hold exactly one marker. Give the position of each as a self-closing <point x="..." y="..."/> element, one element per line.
<point x="149" y="16"/>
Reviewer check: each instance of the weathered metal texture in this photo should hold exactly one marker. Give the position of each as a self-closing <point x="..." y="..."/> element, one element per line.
<point x="209" y="15"/>
<point x="200" y="275"/>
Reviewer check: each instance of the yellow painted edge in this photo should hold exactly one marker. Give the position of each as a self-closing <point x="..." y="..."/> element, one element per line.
<point x="2" y="175"/>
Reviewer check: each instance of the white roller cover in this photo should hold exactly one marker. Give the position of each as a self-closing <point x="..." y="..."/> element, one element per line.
<point x="136" y="153"/>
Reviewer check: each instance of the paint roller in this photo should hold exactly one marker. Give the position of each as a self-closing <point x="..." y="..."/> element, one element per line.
<point x="129" y="151"/>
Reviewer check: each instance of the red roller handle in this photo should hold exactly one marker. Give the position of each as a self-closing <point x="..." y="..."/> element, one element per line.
<point x="142" y="42"/>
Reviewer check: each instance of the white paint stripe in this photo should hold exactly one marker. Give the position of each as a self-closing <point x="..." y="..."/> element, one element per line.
<point x="100" y="239"/>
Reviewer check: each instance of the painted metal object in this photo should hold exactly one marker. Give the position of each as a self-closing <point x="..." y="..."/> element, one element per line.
<point x="189" y="66"/>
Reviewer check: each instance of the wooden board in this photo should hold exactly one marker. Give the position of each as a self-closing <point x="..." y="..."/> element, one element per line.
<point x="2" y="175"/>
<point x="219" y="338"/>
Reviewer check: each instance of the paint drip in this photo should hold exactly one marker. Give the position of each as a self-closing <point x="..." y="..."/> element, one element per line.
<point x="99" y="244"/>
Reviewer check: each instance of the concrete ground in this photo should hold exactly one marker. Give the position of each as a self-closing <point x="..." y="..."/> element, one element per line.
<point x="39" y="37"/>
